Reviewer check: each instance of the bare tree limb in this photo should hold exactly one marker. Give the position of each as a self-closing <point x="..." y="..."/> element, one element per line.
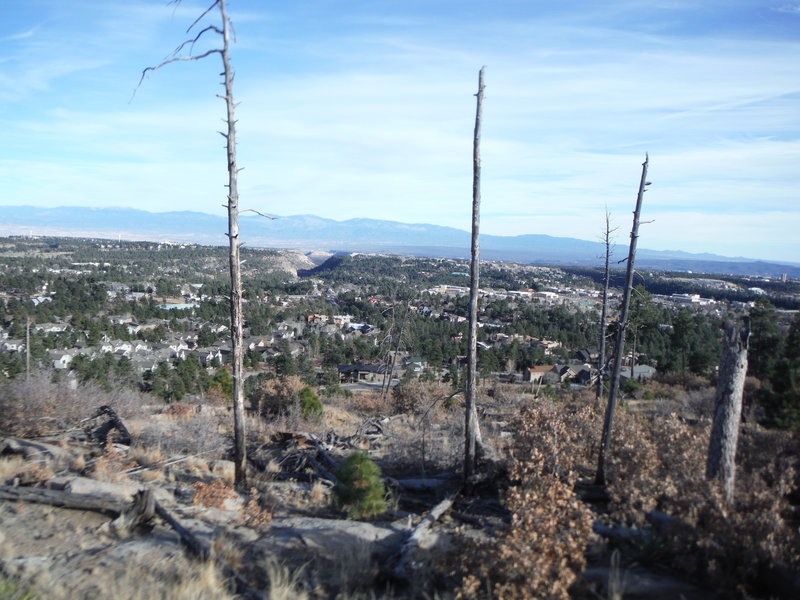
<point x="172" y="60"/>
<point x="252" y="210"/>
<point x="192" y="42"/>
<point x="200" y="18"/>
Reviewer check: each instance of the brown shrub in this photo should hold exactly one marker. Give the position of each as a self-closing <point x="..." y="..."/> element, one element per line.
<point x="277" y="396"/>
<point x="540" y="554"/>
<point x="180" y="410"/>
<point x="254" y="513"/>
<point x="417" y="397"/>
<point x="659" y="464"/>
<point x="212" y="495"/>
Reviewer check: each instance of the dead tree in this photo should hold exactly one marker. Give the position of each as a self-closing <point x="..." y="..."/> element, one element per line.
<point x="601" y="360"/>
<point x="619" y="349"/>
<point x="471" y="431"/>
<point x="728" y="406"/>
<point x="232" y="205"/>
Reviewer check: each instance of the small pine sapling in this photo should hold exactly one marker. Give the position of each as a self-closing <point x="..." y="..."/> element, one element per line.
<point x="360" y="490"/>
<point x="310" y="404"/>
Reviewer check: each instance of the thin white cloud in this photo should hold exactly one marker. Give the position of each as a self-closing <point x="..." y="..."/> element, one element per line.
<point x="22" y="35"/>
<point x="346" y="113"/>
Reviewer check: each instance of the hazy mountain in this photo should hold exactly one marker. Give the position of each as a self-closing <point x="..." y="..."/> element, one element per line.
<point x="309" y="232"/>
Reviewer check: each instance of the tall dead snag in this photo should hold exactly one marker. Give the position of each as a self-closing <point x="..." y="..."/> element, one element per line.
<point x="233" y="216"/>
<point x="471" y="431"/>
<point x="728" y="406"/>
<point x="619" y="349"/>
<point x="601" y="360"/>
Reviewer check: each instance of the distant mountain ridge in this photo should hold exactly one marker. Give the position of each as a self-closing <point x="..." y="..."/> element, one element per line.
<point x="310" y="232"/>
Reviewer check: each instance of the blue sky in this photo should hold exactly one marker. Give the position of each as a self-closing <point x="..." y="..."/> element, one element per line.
<point x="366" y="109"/>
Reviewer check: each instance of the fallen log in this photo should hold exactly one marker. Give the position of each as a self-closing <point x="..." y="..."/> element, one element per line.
<point x="106" y="506"/>
<point x="403" y="558"/>
<point x="128" y="516"/>
<point x="421" y="485"/>
<point x="190" y="540"/>
<point x="30" y="449"/>
<point x="321" y="470"/>
<point x="326" y="458"/>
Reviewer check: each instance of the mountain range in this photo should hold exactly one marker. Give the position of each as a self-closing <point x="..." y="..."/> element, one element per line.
<point x="309" y="232"/>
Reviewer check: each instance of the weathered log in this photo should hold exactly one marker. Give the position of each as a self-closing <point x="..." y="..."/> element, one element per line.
<point x="321" y="470"/>
<point x="128" y="516"/>
<point x="106" y="506"/>
<point x="620" y="533"/>
<point x="195" y="546"/>
<point x="403" y="558"/>
<point x="137" y="515"/>
<point x="326" y="458"/>
<point x="35" y="450"/>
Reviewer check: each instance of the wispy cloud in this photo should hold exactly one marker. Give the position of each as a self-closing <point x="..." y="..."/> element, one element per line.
<point x="22" y="35"/>
<point x="368" y="111"/>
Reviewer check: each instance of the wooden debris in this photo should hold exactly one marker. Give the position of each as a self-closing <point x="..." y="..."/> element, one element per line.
<point x="63" y="499"/>
<point x="137" y="515"/>
<point x="404" y="557"/>
<point x="30" y="449"/>
<point x="100" y="433"/>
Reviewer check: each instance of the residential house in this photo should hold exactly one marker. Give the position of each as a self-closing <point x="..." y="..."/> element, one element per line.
<point x="640" y="373"/>
<point x="61" y="359"/>
<point x="415" y="364"/>
<point x="361" y="372"/>
<point x="584" y="374"/>
<point x="12" y="345"/>
<point x="536" y="374"/>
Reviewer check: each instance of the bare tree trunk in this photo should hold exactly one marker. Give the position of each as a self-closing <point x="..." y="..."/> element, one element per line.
<point x="391" y="361"/>
<point x="233" y="217"/>
<point x="234" y="258"/>
<point x="471" y="414"/>
<point x="27" y="348"/>
<point x="619" y="350"/>
<point x="728" y="407"/>
<point x="601" y="360"/>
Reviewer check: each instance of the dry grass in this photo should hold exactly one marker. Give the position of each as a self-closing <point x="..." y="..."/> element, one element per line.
<point x="283" y="582"/>
<point x="112" y="466"/>
<point x="10" y="466"/>
<point x="147" y="456"/>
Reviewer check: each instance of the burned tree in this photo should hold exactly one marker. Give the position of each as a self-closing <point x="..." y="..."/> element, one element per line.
<point x="619" y="349"/>
<point x="601" y="359"/>
<point x="471" y="430"/>
<point x="233" y="211"/>
<point x="728" y="406"/>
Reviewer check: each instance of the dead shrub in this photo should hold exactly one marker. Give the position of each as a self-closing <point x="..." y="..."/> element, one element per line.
<point x="42" y="404"/>
<point x="416" y="397"/>
<point x="658" y="464"/>
<point x="370" y="404"/>
<point x="277" y="396"/>
<point x="34" y="472"/>
<point x="180" y="410"/>
<point x="540" y="554"/>
<point x="112" y="465"/>
<point x="212" y="495"/>
<point x="147" y="456"/>
<point x="255" y="514"/>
